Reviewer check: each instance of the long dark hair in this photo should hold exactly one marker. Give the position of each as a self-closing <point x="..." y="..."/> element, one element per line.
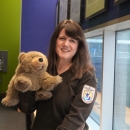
<point x="81" y="61"/>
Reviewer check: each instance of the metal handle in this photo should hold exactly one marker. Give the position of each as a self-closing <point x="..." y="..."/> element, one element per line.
<point x="0" y="65"/>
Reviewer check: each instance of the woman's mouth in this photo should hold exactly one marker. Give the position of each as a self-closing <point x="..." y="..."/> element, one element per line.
<point x="65" y="50"/>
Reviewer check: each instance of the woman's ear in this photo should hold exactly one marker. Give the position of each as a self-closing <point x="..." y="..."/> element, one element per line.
<point x="21" y="56"/>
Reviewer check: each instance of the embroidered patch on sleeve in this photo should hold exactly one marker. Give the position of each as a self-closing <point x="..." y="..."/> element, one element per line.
<point x="88" y="93"/>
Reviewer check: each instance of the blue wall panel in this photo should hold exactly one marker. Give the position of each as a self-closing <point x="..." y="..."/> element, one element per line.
<point x="38" y="23"/>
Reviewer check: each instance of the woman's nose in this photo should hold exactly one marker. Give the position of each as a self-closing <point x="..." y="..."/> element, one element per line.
<point x="66" y="42"/>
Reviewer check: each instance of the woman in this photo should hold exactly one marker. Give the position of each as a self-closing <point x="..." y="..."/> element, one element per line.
<point x="73" y="99"/>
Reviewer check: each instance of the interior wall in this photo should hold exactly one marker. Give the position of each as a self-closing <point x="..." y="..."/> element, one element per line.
<point x="10" y="22"/>
<point x="24" y="26"/>
<point x="112" y="12"/>
<point x="38" y="23"/>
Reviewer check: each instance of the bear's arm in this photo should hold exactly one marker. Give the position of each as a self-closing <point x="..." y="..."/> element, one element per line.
<point x="49" y="82"/>
<point x="27" y="103"/>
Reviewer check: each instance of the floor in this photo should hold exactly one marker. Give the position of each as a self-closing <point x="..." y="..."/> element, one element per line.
<point x="10" y="119"/>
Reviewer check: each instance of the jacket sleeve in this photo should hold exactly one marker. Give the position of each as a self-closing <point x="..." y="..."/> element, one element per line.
<point x="27" y="103"/>
<point x="81" y="106"/>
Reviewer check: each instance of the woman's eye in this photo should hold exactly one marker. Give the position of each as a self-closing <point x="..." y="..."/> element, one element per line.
<point x="61" y="38"/>
<point x="73" y="41"/>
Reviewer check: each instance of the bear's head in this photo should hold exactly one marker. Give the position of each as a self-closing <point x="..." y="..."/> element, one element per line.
<point x="32" y="62"/>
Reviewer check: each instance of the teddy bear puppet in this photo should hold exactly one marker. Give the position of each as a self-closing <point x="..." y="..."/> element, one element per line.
<point x="31" y="75"/>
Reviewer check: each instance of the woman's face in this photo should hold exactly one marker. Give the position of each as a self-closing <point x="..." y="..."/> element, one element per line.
<point x="66" y="47"/>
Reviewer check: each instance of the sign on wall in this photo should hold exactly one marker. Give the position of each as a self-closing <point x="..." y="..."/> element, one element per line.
<point x="75" y="10"/>
<point x="94" y="7"/>
<point x="63" y="10"/>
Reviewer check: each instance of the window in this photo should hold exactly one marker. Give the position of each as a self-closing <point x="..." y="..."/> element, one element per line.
<point x="95" y="48"/>
<point x="122" y="82"/>
<point x="113" y="99"/>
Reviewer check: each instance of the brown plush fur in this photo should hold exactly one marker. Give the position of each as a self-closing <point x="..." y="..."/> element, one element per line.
<point x="31" y="75"/>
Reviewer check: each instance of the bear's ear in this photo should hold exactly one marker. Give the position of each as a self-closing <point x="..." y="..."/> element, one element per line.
<point x="21" y="56"/>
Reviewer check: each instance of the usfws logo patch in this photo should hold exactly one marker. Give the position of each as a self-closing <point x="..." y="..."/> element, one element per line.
<point x="88" y="93"/>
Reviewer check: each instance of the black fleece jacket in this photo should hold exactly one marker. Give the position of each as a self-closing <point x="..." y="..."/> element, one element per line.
<point x="69" y="107"/>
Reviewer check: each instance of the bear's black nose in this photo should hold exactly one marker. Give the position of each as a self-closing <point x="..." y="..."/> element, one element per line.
<point x="40" y="59"/>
